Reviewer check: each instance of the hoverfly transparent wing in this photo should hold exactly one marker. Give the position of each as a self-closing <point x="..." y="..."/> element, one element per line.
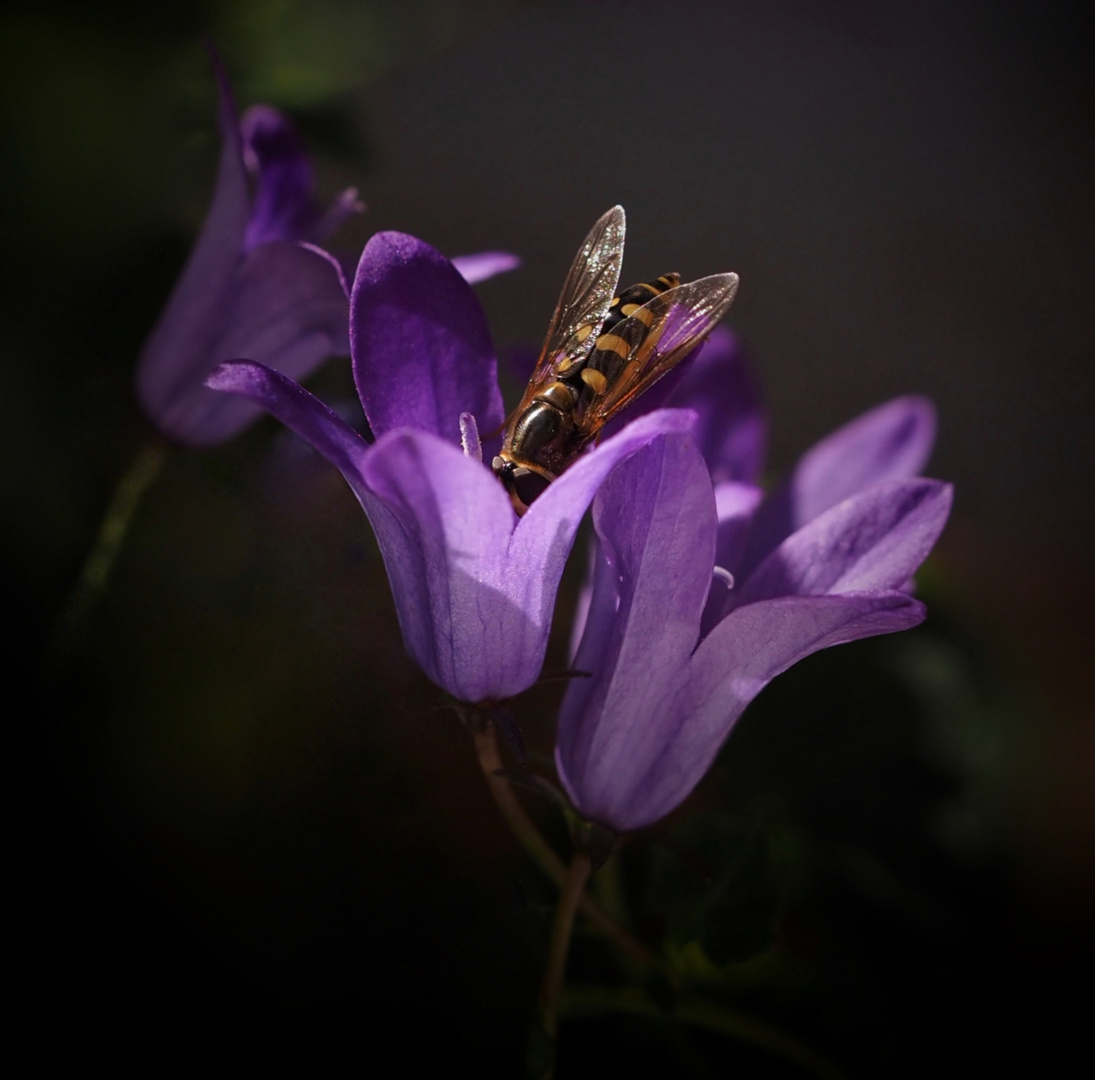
<point x="584" y="302"/>
<point x="666" y="329"/>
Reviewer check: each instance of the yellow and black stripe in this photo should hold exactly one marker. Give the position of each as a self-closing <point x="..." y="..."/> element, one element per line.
<point x="616" y="342"/>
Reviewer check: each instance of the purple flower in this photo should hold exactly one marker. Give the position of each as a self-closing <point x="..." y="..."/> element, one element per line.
<point x="285" y="205"/>
<point x="474" y="587"/>
<point x="675" y="654"/>
<point x="252" y="286"/>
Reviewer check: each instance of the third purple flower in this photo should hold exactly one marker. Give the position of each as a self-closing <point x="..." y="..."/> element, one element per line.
<point x="703" y="592"/>
<point x="255" y="284"/>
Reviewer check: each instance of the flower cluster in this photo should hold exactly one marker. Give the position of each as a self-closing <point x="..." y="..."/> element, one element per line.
<point x="702" y="589"/>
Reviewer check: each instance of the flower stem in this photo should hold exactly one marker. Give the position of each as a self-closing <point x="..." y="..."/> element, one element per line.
<point x="95" y="574"/>
<point x="490" y="760"/>
<point x="542" y="1057"/>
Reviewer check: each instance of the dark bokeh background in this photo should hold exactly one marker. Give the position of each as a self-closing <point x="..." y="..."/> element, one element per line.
<point x="248" y="823"/>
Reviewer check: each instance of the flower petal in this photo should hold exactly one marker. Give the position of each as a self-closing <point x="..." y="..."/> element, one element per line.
<point x="442" y="523"/>
<point x="732" y="431"/>
<point x="484" y="265"/>
<point x="890" y="442"/>
<point x="413" y="527"/>
<point x="655" y="517"/>
<point x="594" y="609"/>
<point x="284" y="206"/>
<point x="421" y="348"/>
<point x="732" y="665"/>
<point x="544" y="536"/>
<point x="736" y="505"/>
<point x="449" y="567"/>
<point x="299" y="411"/>
<point x="285" y="307"/>
<point x="474" y="598"/>
<point x="874" y="541"/>
<point x="480" y="629"/>
<point x="175" y="357"/>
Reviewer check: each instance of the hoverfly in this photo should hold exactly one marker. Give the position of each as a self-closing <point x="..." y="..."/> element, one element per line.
<point x="602" y="351"/>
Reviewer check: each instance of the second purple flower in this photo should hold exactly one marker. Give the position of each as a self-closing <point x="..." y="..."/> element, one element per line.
<point x="703" y="592"/>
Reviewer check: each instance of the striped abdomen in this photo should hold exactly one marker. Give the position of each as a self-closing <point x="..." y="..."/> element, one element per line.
<point x="616" y="342"/>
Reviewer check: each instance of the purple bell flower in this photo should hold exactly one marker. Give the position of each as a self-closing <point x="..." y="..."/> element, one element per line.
<point x="474" y="586"/>
<point x="703" y="592"/>
<point x="253" y="286"/>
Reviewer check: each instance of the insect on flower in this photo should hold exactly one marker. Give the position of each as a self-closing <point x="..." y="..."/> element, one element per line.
<point x="602" y="351"/>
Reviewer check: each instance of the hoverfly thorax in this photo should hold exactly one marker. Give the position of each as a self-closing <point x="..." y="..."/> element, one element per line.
<point x="602" y="350"/>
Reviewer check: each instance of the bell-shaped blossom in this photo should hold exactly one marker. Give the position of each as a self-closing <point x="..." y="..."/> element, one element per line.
<point x="474" y="586"/>
<point x="253" y="286"/>
<point x="702" y="592"/>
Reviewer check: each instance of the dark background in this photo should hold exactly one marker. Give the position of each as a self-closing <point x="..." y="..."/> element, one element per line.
<point x="246" y="820"/>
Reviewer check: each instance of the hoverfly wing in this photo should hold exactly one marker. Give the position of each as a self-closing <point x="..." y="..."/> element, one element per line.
<point x="665" y="329"/>
<point x="584" y="302"/>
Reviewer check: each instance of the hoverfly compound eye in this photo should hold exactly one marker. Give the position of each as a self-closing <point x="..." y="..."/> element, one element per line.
<point x="528" y="486"/>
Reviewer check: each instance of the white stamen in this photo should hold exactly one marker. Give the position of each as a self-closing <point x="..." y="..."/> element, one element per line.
<point x="724" y="576"/>
<point x="469" y="437"/>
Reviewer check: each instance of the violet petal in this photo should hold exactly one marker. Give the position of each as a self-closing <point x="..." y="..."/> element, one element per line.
<point x="736" y="506"/>
<point x="397" y="537"/>
<point x="484" y="265"/>
<point x="175" y="357"/>
<point x="298" y="410"/>
<point x="655" y="518"/>
<point x="890" y="442"/>
<point x="286" y="307"/>
<point x="732" y="431"/>
<point x="284" y="206"/>
<point x="448" y="567"/>
<point x="474" y="590"/>
<point x="874" y="541"/>
<point x="732" y="665"/>
<point x="490" y="581"/>
<point x="421" y="347"/>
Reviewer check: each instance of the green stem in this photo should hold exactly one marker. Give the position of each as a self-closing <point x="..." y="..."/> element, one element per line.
<point x="490" y="760"/>
<point x="543" y="1064"/>
<point x="95" y="574"/>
